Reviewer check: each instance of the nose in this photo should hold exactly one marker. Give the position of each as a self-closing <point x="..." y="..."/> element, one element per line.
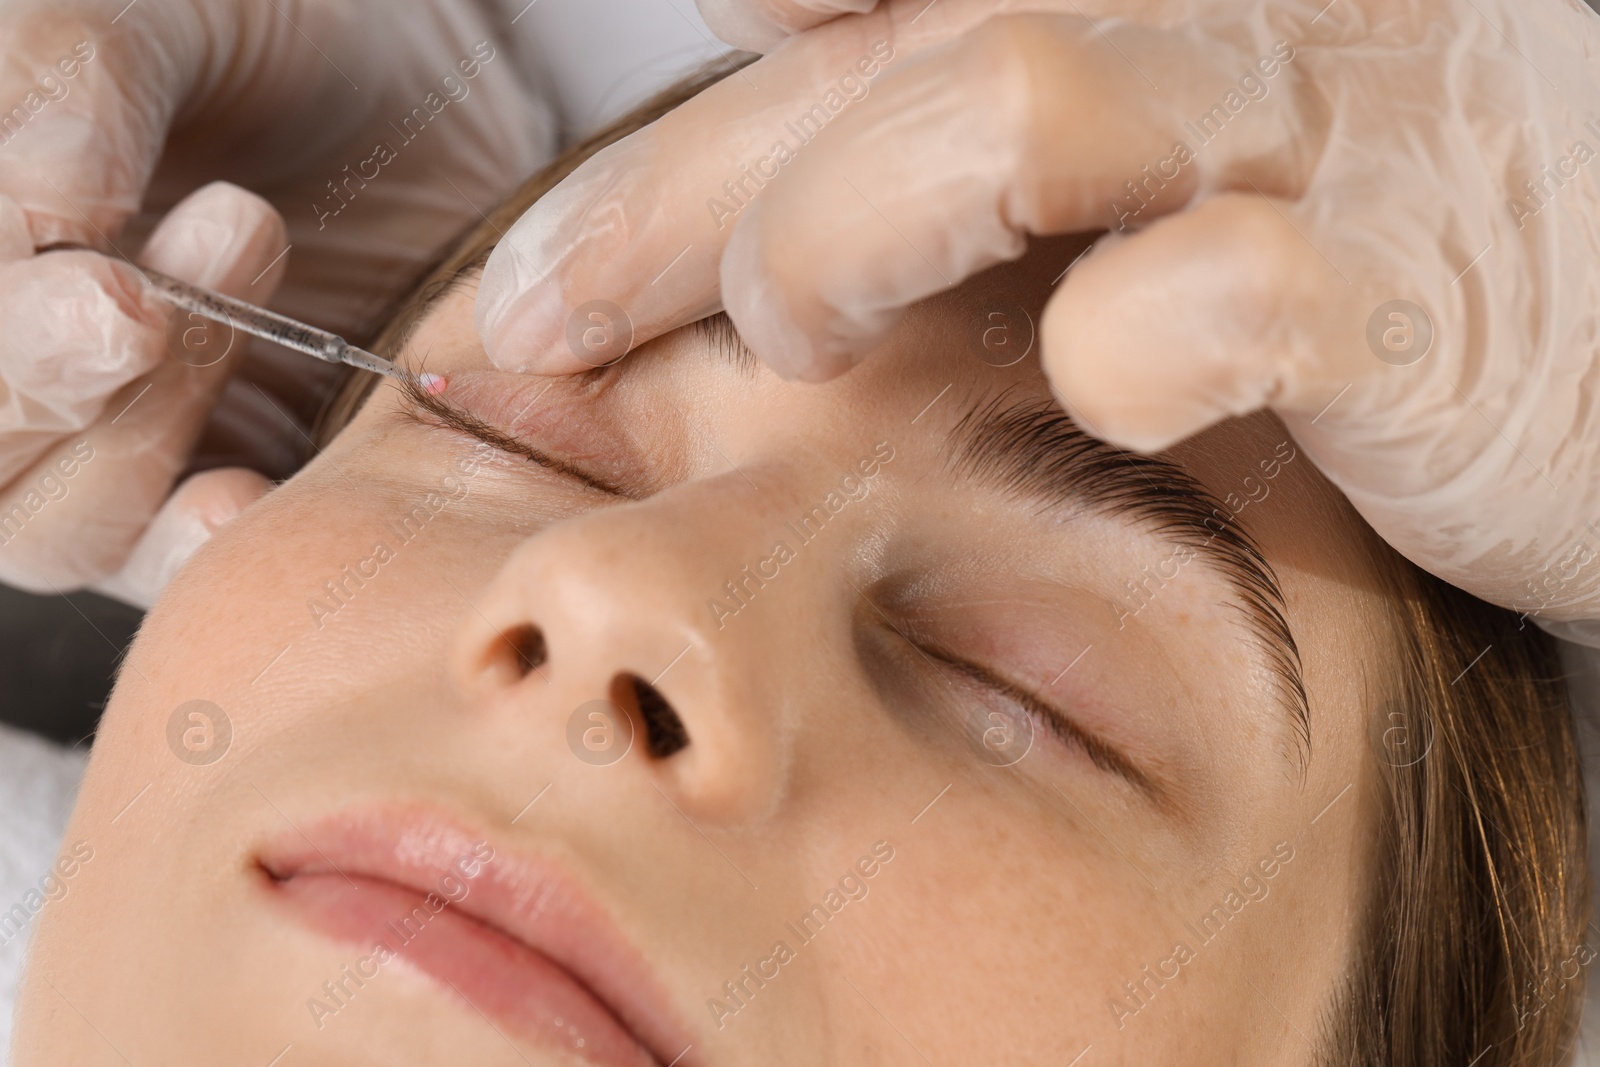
<point x="620" y="622"/>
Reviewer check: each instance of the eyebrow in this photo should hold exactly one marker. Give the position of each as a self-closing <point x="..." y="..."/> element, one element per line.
<point x="721" y="334"/>
<point x="1031" y="448"/>
<point x="717" y="330"/>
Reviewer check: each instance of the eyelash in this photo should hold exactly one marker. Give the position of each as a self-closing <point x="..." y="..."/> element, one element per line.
<point x="1099" y="753"/>
<point x="419" y="406"/>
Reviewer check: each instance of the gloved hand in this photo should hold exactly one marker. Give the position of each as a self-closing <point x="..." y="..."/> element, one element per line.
<point x="103" y="390"/>
<point x="761" y="25"/>
<point x="1318" y="208"/>
<point x="378" y="130"/>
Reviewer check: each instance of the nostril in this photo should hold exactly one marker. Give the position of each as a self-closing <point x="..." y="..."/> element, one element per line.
<point x="664" y="730"/>
<point x="523" y="649"/>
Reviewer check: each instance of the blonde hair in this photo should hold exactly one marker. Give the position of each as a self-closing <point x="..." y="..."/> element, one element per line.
<point x="1474" y="949"/>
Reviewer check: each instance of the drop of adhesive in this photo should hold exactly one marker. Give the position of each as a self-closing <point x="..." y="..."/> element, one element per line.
<point x="432" y="384"/>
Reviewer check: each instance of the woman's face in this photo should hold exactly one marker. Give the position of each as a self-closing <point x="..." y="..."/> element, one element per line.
<point x="763" y="723"/>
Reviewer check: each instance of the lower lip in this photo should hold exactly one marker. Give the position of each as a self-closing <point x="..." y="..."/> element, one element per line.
<point x="504" y="979"/>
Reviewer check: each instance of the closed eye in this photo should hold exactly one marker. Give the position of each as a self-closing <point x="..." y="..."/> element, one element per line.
<point x="1101" y="754"/>
<point x="427" y="408"/>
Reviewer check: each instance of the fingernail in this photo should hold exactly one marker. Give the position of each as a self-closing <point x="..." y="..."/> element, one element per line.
<point x="194" y="249"/>
<point x="169" y="542"/>
<point x="207" y="235"/>
<point x="789" y="361"/>
<point x="532" y="335"/>
<point x="769" y="330"/>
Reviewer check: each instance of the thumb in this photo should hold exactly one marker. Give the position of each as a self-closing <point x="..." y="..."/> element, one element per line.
<point x="224" y="238"/>
<point x="1216" y="311"/>
<point x="192" y="514"/>
<point x="761" y="25"/>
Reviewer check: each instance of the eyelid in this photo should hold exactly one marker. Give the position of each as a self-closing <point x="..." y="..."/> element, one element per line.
<point x="1101" y="754"/>
<point x="420" y="404"/>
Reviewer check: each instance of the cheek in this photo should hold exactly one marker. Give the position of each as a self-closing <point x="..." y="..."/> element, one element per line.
<point x="320" y="594"/>
<point x="247" y="597"/>
<point x="1037" y="925"/>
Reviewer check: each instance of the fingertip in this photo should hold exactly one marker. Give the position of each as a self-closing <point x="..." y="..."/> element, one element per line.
<point x="814" y="300"/>
<point x="760" y="312"/>
<point x="1217" y="311"/>
<point x="47" y="228"/>
<point x="762" y="25"/>
<point x="16" y="242"/>
<point x="519" y="334"/>
<point x="223" y="237"/>
<point x="216" y="497"/>
<point x="792" y="358"/>
<point x="189" y="518"/>
<point x="1103" y="384"/>
<point x="516" y="313"/>
<point x="735" y="23"/>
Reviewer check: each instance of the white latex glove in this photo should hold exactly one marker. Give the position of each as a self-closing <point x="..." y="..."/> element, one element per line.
<point x="103" y="390"/>
<point x="760" y="25"/>
<point x="292" y="99"/>
<point x="1353" y="154"/>
<point x="378" y="130"/>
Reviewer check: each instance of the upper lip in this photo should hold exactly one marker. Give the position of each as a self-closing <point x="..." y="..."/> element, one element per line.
<point x="525" y="897"/>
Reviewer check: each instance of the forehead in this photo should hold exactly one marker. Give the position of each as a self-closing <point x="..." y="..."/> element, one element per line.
<point x="983" y="335"/>
<point x="947" y="356"/>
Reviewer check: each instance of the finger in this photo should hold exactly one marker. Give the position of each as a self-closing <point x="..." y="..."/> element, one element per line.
<point x="636" y="235"/>
<point x="126" y="456"/>
<point x="15" y="240"/>
<point x="77" y="329"/>
<point x="1030" y="124"/>
<point x="628" y="246"/>
<point x="84" y="125"/>
<point x="1217" y="311"/>
<point x="761" y="25"/>
<point x="196" y="510"/>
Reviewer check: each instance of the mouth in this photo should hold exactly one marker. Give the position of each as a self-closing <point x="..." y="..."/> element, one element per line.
<point x="512" y="935"/>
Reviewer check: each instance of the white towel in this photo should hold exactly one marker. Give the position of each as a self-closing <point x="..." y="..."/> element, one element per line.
<point x="38" y="784"/>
